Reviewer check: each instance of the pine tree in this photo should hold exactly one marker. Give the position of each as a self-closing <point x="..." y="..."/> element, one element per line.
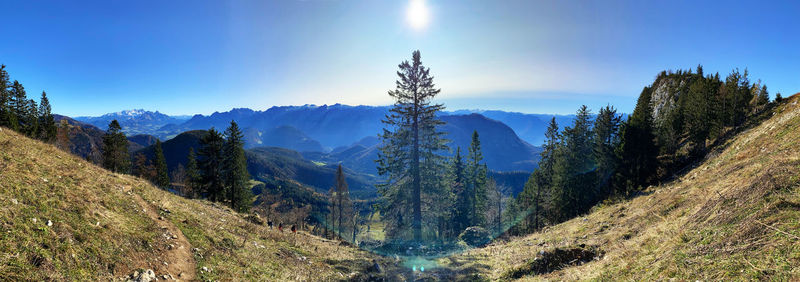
<point x="192" y="174"/>
<point x="572" y="173"/>
<point x="19" y="108"/>
<point x="531" y="200"/>
<point x="211" y="158"/>
<point x="162" y="177"/>
<point x="5" y="98"/>
<point x="343" y="204"/>
<point x="31" y="118"/>
<point x="115" y="149"/>
<point x="699" y="112"/>
<point x="463" y="205"/>
<point x="606" y="140"/>
<point x="410" y="147"/>
<point x="637" y="149"/>
<point x="47" y="124"/>
<point x="476" y="182"/>
<point x="763" y="97"/>
<point x="235" y="172"/>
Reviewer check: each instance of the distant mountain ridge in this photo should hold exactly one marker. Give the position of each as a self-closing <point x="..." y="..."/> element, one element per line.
<point x="332" y="126"/>
<point x="133" y="122"/>
<point x="348" y="134"/>
<point x="316" y="121"/>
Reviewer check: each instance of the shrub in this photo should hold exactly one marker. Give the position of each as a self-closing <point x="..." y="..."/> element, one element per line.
<point x="475" y="236"/>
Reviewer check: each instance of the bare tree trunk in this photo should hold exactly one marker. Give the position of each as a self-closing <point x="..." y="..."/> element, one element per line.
<point x="417" y="223"/>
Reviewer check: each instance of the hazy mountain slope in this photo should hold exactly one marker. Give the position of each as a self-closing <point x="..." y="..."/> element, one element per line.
<point x="736" y="215"/>
<point x="86" y="140"/>
<point x="143" y="139"/>
<point x="333" y="125"/>
<point x="176" y="150"/>
<point x="502" y="149"/>
<point x="134" y="121"/>
<point x="140" y="141"/>
<point x="529" y="127"/>
<point x="103" y="227"/>
<point x="267" y="163"/>
<point x="284" y="136"/>
<point x="272" y="162"/>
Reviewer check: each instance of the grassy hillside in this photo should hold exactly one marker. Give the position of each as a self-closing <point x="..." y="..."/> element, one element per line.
<point x="736" y="215"/>
<point x="63" y="218"/>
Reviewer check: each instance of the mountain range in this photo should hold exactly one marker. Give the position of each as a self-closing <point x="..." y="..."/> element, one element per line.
<point x="314" y="121"/>
<point x="336" y="130"/>
<point x="305" y="143"/>
<point x="134" y="122"/>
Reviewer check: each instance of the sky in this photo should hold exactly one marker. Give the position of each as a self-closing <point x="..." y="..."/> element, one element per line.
<point x="198" y="56"/>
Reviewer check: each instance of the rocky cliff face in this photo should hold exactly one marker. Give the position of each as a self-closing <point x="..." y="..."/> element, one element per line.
<point x="667" y="89"/>
<point x="666" y="92"/>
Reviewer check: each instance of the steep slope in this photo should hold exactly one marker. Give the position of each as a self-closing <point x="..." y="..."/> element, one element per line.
<point x="736" y="215"/>
<point x="66" y="219"/>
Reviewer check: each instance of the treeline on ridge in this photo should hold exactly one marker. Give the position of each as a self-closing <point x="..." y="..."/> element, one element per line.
<point x="675" y="121"/>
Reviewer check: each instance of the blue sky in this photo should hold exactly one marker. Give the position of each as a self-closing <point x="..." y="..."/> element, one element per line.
<point x="187" y="57"/>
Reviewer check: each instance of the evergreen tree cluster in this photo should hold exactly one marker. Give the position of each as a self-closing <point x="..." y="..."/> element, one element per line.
<point x="674" y="121"/>
<point x="21" y="114"/>
<point x="219" y="170"/>
<point x="427" y="195"/>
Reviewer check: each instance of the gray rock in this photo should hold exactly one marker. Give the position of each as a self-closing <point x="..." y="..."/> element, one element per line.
<point x="145" y="276"/>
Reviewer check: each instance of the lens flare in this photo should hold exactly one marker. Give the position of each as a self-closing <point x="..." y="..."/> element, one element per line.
<point x="418" y="14"/>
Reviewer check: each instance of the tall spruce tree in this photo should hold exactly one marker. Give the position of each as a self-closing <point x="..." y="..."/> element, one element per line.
<point x="115" y="149"/>
<point x="19" y="107"/>
<point x="235" y="170"/>
<point x="47" y="124"/>
<point x="5" y="98"/>
<point x="211" y="158"/>
<point x="410" y="146"/>
<point x="606" y="140"/>
<point x="192" y="181"/>
<point x="572" y="173"/>
<point x="699" y="112"/>
<point x="162" y="177"/>
<point x="31" y="119"/>
<point x="463" y="205"/>
<point x="638" y="152"/>
<point x="530" y="201"/>
<point x="476" y="184"/>
<point x="343" y="204"/>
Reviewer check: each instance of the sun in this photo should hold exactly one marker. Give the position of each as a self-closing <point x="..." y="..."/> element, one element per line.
<point x="418" y="14"/>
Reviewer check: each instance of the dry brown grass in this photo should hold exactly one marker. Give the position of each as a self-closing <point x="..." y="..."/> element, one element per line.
<point x="735" y="216"/>
<point x="101" y="232"/>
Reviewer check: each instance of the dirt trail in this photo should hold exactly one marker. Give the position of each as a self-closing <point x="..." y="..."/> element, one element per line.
<point x="178" y="258"/>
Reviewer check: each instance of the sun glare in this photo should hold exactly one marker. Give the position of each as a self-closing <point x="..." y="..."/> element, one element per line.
<point x="418" y="14"/>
